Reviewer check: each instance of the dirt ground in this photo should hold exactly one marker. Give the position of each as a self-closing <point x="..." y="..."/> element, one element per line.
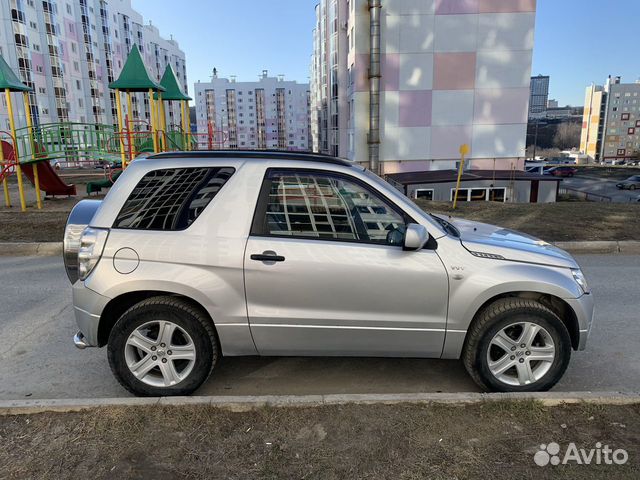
<point x="46" y="225"/>
<point x="562" y="221"/>
<point x="489" y="440"/>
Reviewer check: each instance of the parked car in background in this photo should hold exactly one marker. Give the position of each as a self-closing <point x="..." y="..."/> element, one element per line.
<point x="562" y="171"/>
<point x="109" y="164"/>
<point x="537" y="169"/>
<point x="630" y="183"/>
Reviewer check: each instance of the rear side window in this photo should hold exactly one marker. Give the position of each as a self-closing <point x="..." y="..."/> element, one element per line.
<point x="171" y="199"/>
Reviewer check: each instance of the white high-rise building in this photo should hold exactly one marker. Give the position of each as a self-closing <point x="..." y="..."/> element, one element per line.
<point x="272" y="113"/>
<point x="446" y="73"/>
<point x="69" y="51"/>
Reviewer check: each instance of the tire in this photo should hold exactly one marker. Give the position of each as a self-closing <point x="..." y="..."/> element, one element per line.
<point x="500" y="315"/>
<point x="632" y="187"/>
<point x="193" y="331"/>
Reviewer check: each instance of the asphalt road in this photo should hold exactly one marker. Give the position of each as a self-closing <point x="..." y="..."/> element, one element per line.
<point x="601" y="186"/>
<point x="38" y="359"/>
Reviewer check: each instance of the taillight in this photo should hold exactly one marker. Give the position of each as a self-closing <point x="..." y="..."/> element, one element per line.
<point x="92" y="244"/>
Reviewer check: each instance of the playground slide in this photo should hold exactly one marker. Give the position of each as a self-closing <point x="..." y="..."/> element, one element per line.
<point x="50" y="182"/>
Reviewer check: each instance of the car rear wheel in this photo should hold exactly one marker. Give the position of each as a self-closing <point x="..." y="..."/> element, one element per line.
<point x="632" y="187"/>
<point x="162" y="346"/>
<point x="517" y="345"/>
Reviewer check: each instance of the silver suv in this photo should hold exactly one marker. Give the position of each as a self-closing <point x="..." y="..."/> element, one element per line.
<point x="196" y="255"/>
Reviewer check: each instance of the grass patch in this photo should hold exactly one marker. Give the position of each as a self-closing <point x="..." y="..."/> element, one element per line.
<point x="494" y="439"/>
<point x="553" y="222"/>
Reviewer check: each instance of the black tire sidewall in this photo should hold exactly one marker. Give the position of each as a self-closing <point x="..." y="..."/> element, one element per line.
<point x="558" y="333"/>
<point x="137" y="317"/>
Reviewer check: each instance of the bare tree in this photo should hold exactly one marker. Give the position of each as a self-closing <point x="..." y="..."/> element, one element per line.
<point x="567" y="136"/>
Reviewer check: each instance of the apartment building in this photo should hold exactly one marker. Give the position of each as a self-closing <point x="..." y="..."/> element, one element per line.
<point x="611" y="121"/>
<point x="68" y="51"/>
<point x="539" y="96"/>
<point x="271" y="113"/>
<point x="405" y="83"/>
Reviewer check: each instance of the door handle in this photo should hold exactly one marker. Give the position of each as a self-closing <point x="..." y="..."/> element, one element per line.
<point x="267" y="256"/>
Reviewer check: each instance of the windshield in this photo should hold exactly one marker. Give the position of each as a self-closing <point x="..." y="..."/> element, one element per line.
<point x="447" y="226"/>
<point x="389" y="188"/>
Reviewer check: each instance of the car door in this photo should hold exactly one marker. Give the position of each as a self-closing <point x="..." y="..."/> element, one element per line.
<point x="326" y="274"/>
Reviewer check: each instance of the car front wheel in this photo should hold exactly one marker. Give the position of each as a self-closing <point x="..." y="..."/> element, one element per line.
<point x="517" y="345"/>
<point x="162" y="346"/>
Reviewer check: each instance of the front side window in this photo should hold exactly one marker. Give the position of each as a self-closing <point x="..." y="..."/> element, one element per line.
<point x="171" y="199"/>
<point x="329" y="207"/>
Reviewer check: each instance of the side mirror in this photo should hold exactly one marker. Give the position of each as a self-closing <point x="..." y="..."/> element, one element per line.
<point x="416" y="237"/>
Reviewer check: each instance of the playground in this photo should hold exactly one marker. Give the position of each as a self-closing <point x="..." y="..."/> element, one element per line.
<point x="69" y="160"/>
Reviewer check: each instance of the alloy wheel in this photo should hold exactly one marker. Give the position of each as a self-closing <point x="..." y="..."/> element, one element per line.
<point x="160" y="353"/>
<point x="521" y="353"/>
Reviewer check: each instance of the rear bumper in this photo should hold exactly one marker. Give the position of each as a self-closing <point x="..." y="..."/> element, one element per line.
<point x="87" y="307"/>
<point x="583" y="308"/>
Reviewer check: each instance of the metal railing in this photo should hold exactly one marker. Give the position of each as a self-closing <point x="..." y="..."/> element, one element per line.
<point x="587" y="196"/>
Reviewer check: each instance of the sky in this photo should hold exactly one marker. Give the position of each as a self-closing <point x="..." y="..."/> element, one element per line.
<point x="243" y="37"/>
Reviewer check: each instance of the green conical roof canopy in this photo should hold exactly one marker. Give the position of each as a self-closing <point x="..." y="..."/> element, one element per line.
<point x="134" y="76"/>
<point x="10" y="80"/>
<point x="171" y="87"/>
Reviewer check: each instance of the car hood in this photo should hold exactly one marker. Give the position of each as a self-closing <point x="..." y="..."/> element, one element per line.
<point x="509" y="244"/>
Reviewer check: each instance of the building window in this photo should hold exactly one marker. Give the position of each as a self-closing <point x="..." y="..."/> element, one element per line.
<point x="621" y="151"/>
<point x="423" y="193"/>
<point x="631" y="131"/>
<point x="480" y="194"/>
<point x="637" y="123"/>
<point x="625" y="116"/>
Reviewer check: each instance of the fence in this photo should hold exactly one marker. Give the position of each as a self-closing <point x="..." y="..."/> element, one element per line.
<point x="587" y="196"/>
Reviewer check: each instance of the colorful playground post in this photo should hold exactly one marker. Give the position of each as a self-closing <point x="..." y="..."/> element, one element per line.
<point x="123" y="155"/>
<point x="186" y="124"/>
<point x="36" y="180"/>
<point x="135" y="78"/>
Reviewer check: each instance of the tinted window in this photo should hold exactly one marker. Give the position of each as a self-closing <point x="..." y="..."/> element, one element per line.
<point x="171" y="199"/>
<point x="329" y="207"/>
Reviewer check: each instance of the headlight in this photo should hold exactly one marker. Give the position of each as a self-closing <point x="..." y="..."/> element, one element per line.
<point x="91" y="246"/>
<point x="578" y="276"/>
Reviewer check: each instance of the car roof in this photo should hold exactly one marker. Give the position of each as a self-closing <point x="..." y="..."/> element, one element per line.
<point x="258" y="154"/>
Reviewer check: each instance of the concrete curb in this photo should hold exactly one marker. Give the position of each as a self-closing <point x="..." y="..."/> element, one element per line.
<point x="625" y="247"/>
<point x="30" y="249"/>
<point x="245" y="403"/>
<point x="49" y="249"/>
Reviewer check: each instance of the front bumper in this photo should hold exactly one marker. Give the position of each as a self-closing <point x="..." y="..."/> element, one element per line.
<point x="583" y="308"/>
<point x="87" y="307"/>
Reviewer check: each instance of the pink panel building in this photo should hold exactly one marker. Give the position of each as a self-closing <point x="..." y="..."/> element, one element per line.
<point x="452" y="72"/>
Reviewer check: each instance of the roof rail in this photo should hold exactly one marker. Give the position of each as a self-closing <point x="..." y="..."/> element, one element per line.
<point x="266" y="154"/>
